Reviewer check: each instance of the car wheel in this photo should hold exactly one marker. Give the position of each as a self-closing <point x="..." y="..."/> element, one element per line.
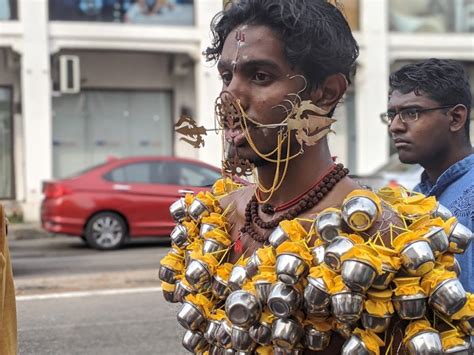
<point x="84" y="239"/>
<point x="106" y="231"/>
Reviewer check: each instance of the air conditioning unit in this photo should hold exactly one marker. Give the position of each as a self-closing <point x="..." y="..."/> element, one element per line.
<point x="182" y="65"/>
<point x="69" y="74"/>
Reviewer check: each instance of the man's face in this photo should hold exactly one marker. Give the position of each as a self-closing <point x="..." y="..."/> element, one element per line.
<point x="423" y="140"/>
<point x="254" y="70"/>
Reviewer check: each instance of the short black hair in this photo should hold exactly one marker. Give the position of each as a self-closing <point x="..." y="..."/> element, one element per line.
<point x="316" y="37"/>
<point x="442" y="80"/>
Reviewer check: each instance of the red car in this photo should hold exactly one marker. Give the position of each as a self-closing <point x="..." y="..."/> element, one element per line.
<point x="122" y="198"/>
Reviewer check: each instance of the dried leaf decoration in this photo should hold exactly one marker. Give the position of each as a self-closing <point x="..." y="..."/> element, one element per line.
<point x="310" y="128"/>
<point x="187" y="127"/>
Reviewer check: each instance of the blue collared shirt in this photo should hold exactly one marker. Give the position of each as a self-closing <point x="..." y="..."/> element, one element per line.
<point x="455" y="190"/>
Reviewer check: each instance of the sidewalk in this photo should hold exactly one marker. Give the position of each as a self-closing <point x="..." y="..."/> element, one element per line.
<point x="23" y="231"/>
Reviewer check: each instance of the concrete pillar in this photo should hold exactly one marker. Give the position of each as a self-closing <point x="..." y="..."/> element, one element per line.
<point x="372" y="87"/>
<point x="36" y="102"/>
<point x="208" y="84"/>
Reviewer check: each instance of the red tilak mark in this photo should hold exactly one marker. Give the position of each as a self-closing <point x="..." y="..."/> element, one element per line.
<point x="238" y="246"/>
<point x="240" y="36"/>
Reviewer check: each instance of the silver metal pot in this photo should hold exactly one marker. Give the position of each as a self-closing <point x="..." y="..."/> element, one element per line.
<point x="318" y="255"/>
<point x="178" y="210"/>
<point x="442" y="212"/>
<point x="334" y="250"/>
<point x="190" y="316"/>
<point x="347" y="306"/>
<point x="357" y="274"/>
<point x="181" y="291"/>
<point x="364" y="208"/>
<point x="290" y="268"/>
<point x="220" y="288"/>
<point x="354" y="345"/>
<point x="277" y="237"/>
<point x="328" y="225"/>
<point x="416" y="257"/>
<point x="316" y="340"/>
<point x="198" y="275"/>
<point x="261" y="333"/>
<point x="194" y="341"/>
<point x="424" y="343"/>
<point x="459" y="238"/>
<point x="375" y="323"/>
<point x="438" y="240"/>
<point x="211" y="330"/>
<point x="316" y="296"/>
<point x="167" y="274"/>
<point x="179" y="236"/>
<point x="286" y="333"/>
<point x="241" y="340"/>
<point x="197" y="210"/>
<point x="448" y="297"/>
<point x="284" y="300"/>
<point x="237" y="277"/>
<point x="410" y="306"/>
<point x="382" y="281"/>
<point x="243" y="308"/>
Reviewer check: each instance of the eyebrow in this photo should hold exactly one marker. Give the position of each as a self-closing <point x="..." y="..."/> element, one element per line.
<point x="245" y="64"/>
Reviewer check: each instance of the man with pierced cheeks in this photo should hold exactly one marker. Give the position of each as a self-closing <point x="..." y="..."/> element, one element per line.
<point x="268" y="51"/>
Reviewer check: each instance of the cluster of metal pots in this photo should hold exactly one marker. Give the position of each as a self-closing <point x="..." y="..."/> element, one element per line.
<point x="275" y="314"/>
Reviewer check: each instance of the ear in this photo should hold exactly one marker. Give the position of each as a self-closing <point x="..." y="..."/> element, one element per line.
<point x="329" y="93"/>
<point x="458" y="117"/>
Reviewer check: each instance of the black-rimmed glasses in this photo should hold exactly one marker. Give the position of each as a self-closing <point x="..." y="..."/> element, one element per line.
<point x="408" y="114"/>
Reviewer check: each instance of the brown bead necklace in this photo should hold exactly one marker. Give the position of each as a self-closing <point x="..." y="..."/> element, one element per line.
<point x="304" y="202"/>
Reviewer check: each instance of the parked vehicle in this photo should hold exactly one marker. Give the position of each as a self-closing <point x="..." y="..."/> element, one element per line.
<point x="393" y="173"/>
<point x="122" y="198"/>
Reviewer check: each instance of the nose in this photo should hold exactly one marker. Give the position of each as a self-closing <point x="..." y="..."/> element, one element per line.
<point x="236" y="90"/>
<point x="397" y="125"/>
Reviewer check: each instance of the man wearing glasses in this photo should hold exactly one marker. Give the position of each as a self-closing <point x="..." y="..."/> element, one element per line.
<point x="428" y="119"/>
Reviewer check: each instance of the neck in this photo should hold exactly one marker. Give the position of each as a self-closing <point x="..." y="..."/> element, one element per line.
<point x="301" y="174"/>
<point x="435" y="167"/>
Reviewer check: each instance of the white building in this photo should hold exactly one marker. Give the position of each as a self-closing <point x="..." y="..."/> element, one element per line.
<point x="138" y="73"/>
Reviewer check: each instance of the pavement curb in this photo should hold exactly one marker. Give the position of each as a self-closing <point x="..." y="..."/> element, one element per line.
<point x="25" y="231"/>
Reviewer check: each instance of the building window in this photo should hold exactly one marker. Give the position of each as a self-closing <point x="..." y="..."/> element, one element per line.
<point x="8" y="10"/>
<point x="6" y="144"/>
<point x="153" y="12"/>
<point x="431" y="16"/>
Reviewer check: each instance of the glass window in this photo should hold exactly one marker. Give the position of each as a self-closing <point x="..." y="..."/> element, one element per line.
<point x="6" y="144"/>
<point x="431" y="15"/>
<point x="8" y="10"/>
<point x="131" y="173"/>
<point x="153" y="12"/>
<point x="184" y="174"/>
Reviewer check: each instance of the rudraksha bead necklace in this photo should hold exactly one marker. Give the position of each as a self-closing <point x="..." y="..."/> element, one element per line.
<point x="306" y="201"/>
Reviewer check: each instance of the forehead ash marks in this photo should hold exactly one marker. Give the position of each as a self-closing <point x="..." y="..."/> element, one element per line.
<point x="240" y="41"/>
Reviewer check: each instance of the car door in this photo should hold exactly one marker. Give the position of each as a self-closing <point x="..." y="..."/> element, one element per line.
<point x="172" y="180"/>
<point x="146" y="189"/>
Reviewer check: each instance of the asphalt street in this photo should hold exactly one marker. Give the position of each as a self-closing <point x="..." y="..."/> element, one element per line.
<point x="75" y="300"/>
<point x="137" y="323"/>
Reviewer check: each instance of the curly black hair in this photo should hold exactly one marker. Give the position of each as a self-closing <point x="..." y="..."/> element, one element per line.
<point x="315" y="34"/>
<point x="442" y="80"/>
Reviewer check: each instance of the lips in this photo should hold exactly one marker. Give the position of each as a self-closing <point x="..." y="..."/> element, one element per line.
<point x="400" y="142"/>
<point x="235" y="136"/>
